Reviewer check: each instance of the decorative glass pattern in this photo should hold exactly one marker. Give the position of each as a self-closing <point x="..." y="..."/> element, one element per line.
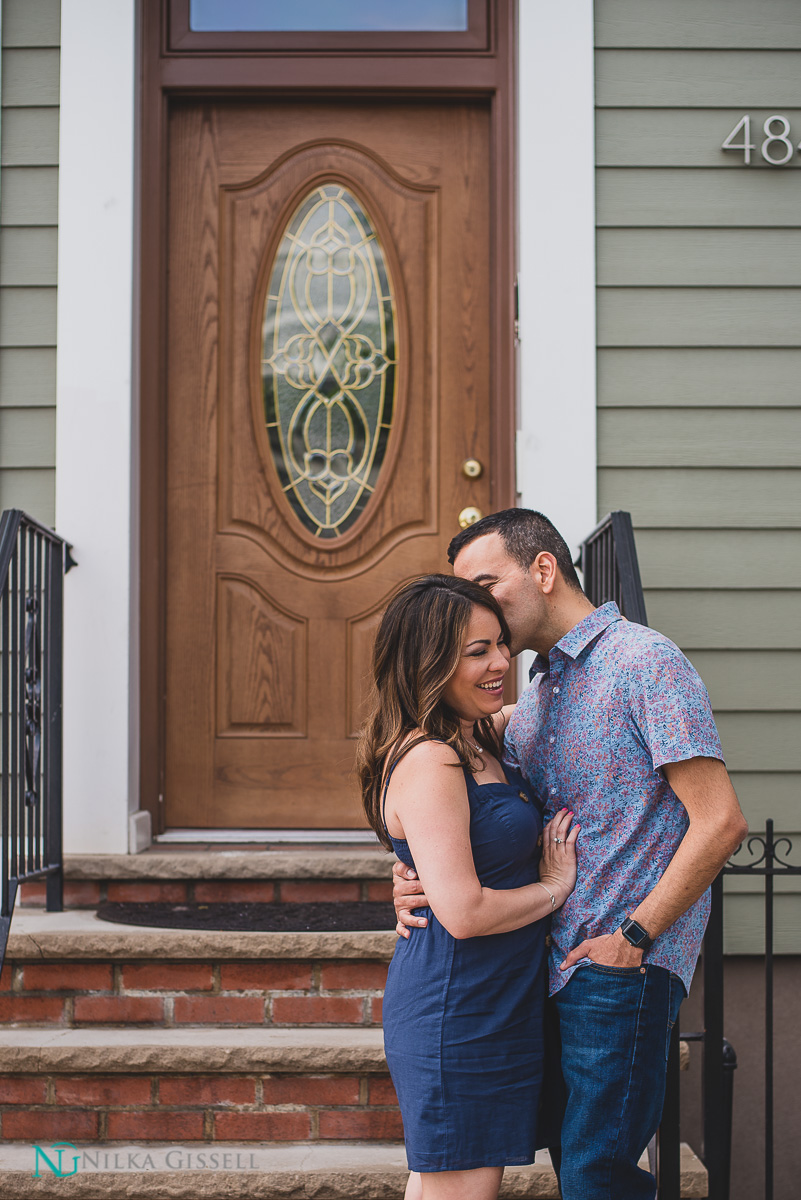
<point x="328" y="360"/>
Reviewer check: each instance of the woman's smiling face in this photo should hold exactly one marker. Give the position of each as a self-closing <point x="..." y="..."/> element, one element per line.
<point x="475" y="689"/>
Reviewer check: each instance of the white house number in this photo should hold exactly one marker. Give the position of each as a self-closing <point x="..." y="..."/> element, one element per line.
<point x="777" y="149"/>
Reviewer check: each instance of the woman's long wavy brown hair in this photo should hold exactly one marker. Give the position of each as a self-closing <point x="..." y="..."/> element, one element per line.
<point x="417" y="650"/>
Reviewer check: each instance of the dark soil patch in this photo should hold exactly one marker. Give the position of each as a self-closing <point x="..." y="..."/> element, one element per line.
<point x="249" y="917"/>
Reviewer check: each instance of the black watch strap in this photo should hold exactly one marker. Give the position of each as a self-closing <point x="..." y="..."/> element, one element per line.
<point x="633" y="932"/>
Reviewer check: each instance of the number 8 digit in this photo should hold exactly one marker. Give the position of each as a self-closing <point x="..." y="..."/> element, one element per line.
<point x="777" y="137"/>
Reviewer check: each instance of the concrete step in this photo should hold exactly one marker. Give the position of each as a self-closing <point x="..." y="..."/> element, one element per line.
<point x="158" y="1171"/>
<point x="71" y="969"/>
<point x="202" y="876"/>
<point x="202" y="1085"/>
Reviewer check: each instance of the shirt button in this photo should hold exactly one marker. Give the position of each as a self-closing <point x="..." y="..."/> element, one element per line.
<point x="551" y="739"/>
<point x="548" y="940"/>
<point x="553" y="791"/>
<point x="523" y="797"/>
<point x="556" y="689"/>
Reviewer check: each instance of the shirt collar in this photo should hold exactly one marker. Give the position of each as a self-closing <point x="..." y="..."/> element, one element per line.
<point x="580" y="636"/>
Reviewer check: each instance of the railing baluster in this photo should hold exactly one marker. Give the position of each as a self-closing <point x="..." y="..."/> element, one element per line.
<point x="32" y="564"/>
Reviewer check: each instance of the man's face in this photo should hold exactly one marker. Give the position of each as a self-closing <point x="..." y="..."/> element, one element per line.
<point x="485" y="561"/>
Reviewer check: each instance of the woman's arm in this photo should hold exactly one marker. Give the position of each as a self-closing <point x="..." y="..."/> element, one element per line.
<point x="428" y="798"/>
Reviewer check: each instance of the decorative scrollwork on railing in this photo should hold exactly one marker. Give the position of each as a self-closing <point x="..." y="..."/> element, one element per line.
<point x="769" y="855"/>
<point x="33" y="702"/>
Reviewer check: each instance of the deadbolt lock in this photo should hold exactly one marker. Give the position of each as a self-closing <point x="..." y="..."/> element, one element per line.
<point x="469" y="516"/>
<point x="472" y="468"/>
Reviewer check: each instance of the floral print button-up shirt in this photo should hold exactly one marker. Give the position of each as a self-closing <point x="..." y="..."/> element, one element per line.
<point x="613" y="702"/>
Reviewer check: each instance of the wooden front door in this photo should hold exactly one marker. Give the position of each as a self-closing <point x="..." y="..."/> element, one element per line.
<point x="328" y="373"/>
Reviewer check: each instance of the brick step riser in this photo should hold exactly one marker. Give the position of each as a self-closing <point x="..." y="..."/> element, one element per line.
<point x="277" y="993"/>
<point x="181" y="1108"/>
<point x="88" y="893"/>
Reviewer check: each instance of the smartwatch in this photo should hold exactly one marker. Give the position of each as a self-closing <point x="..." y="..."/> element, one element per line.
<point x="634" y="933"/>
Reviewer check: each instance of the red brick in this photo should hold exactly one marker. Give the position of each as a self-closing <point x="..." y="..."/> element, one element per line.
<point x="311" y="1089"/>
<point x="67" y="977"/>
<point x="219" y="1010"/>
<point x="119" y="1010"/>
<point x="90" y="1090"/>
<point x="31" y="1010"/>
<point x="372" y="1126"/>
<point x="235" y="890"/>
<point x="380" y="891"/>
<point x="354" y="976"/>
<point x="36" y="1126"/>
<point x="162" y="1126"/>
<point x="32" y="894"/>
<point x="167" y="977"/>
<point x="78" y="893"/>
<point x="258" y="1127"/>
<point x="298" y="891"/>
<point x="377" y="1006"/>
<point x="155" y="890"/>
<point x="318" y="1010"/>
<point x="6" y="977"/>
<point x="23" y="1089"/>
<point x="212" y="1089"/>
<point x="265" y="976"/>
<point x="381" y="1091"/>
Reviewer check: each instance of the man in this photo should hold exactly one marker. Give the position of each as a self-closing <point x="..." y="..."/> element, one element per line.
<point x="616" y="726"/>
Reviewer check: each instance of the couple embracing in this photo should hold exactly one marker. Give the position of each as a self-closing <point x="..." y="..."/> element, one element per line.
<point x="554" y="864"/>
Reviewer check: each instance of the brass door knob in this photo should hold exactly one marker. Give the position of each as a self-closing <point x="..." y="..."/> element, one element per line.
<point x="472" y="468"/>
<point x="469" y="516"/>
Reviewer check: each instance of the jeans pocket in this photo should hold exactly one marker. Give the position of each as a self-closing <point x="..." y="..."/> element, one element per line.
<point x="603" y="969"/>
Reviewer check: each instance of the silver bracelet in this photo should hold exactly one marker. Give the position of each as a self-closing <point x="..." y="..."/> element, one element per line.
<point x="550" y="893"/>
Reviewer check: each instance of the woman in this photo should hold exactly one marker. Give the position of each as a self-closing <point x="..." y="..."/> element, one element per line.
<point x="463" y="1002"/>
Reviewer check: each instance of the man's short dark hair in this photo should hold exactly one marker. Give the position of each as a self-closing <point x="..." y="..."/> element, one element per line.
<point x="525" y="534"/>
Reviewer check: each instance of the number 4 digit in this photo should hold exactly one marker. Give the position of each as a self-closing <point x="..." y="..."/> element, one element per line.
<point x="747" y="145"/>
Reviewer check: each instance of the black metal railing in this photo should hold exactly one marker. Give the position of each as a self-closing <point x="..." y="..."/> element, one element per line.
<point x="33" y="560"/>
<point x="608" y="561"/>
<point x="769" y="860"/>
<point x="609" y="565"/>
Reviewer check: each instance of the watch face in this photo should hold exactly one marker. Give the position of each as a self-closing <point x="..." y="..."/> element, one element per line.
<point x="634" y="933"/>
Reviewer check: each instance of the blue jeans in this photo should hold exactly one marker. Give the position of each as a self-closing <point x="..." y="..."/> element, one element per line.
<point x="614" y="1025"/>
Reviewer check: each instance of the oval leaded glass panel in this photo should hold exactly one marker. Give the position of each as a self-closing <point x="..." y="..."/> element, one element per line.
<point x="328" y="360"/>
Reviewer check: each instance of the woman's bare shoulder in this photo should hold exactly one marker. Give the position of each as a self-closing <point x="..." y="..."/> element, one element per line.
<point x="428" y="753"/>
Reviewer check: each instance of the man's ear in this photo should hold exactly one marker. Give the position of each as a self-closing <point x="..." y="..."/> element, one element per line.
<point x="544" y="572"/>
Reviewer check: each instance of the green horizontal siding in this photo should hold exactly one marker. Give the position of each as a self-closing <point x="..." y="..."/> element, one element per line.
<point x="699" y="377"/>
<point x="686" y="137"/>
<point x="30" y="137"/>
<point x="29" y="196"/>
<point x="29" y="144"/>
<point x="738" y="681"/>
<point x="27" y="437"/>
<point x="698" y="498"/>
<point x="28" y="256"/>
<point x="760" y="741"/>
<point x="30" y="77"/>
<point x="721" y="620"/>
<point x="717" y="79"/>
<point x="700" y="257"/>
<point x="713" y="559"/>
<point x="657" y="196"/>
<point x="709" y="437"/>
<point x="766" y="794"/>
<point x="27" y="316"/>
<point x="699" y="24"/>
<point x="32" y="490"/>
<point x="699" y="316"/>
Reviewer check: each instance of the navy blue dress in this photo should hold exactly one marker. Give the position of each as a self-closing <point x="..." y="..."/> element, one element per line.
<point x="463" y="1019"/>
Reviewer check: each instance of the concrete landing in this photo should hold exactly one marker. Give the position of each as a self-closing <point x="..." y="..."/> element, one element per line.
<point x="239" y="1171"/>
